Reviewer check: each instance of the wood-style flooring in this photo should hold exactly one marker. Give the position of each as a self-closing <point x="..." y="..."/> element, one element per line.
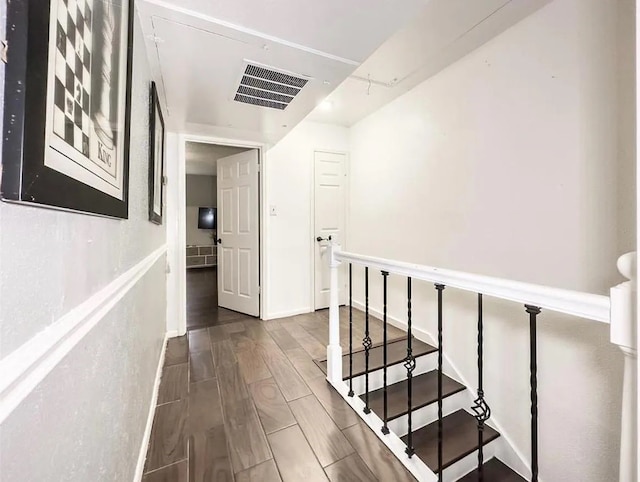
<point x="202" y="300"/>
<point x="245" y="401"/>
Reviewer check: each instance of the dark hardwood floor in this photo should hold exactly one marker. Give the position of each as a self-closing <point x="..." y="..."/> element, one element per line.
<point x="245" y="401"/>
<point x="202" y="300"/>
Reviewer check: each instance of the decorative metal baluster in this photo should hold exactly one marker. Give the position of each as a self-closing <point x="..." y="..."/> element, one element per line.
<point x="410" y="365"/>
<point x="480" y="408"/>
<point x="366" y="341"/>
<point x="440" y="288"/>
<point x="350" y="331"/>
<point x="533" y="311"/>
<point x="385" y="275"/>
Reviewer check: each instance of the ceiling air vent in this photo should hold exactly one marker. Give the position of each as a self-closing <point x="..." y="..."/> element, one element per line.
<point x="268" y="88"/>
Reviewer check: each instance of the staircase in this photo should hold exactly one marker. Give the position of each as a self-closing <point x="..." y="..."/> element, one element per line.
<point x="438" y="428"/>
<point x="460" y="429"/>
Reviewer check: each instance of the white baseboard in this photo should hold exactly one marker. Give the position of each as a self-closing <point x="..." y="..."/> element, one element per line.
<point x="142" y="455"/>
<point x="286" y="314"/>
<point x="515" y="458"/>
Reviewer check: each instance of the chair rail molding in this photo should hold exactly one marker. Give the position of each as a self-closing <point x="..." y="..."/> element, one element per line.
<point x="23" y="369"/>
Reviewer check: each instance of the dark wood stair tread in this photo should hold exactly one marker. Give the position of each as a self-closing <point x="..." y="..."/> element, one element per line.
<point x="460" y="438"/>
<point x="424" y="392"/>
<point x="493" y="471"/>
<point x="396" y="353"/>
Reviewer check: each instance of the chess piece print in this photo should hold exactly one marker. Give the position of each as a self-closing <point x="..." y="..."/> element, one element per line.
<point x="104" y="83"/>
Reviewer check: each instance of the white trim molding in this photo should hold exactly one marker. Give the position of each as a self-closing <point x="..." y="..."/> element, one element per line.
<point x="24" y="369"/>
<point x="288" y="313"/>
<point x="144" y="446"/>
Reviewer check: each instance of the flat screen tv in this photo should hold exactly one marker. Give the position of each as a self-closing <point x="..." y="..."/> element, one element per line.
<point x="207" y="218"/>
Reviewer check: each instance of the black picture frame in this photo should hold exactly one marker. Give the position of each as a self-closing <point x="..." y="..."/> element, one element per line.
<point x="26" y="176"/>
<point x="156" y="157"/>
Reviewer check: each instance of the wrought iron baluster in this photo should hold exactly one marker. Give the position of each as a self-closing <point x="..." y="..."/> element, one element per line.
<point x="385" y="275"/>
<point x="440" y="288"/>
<point x="480" y="407"/>
<point x="533" y="311"/>
<point x="350" y="330"/>
<point x="410" y="365"/>
<point x="366" y="341"/>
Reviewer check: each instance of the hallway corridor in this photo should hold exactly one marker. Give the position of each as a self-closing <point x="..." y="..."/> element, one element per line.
<point x="202" y="300"/>
<point x="245" y="401"/>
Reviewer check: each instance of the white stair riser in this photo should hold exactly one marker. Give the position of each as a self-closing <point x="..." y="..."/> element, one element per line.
<point x="466" y="464"/>
<point x="395" y="374"/>
<point x="426" y="415"/>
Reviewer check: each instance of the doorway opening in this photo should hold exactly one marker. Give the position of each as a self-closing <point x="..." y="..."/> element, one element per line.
<point x="222" y="233"/>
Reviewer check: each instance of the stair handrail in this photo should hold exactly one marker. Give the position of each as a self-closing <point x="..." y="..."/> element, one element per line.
<point x="585" y="305"/>
<point x="618" y="310"/>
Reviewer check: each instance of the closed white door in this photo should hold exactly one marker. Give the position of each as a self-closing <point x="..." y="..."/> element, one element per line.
<point x="330" y="181"/>
<point x="238" y="233"/>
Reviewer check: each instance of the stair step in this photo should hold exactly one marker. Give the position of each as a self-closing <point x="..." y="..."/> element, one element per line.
<point x="493" y="471"/>
<point x="396" y="353"/>
<point x="459" y="439"/>
<point x="424" y="392"/>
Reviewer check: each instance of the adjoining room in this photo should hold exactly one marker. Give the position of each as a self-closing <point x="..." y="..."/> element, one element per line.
<point x="203" y="235"/>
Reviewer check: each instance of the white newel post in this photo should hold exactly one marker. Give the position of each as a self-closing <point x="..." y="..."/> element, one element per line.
<point x="334" y="350"/>
<point x="624" y="334"/>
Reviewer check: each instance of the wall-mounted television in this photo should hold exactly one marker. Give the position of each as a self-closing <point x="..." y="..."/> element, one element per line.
<point x="207" y="218"/>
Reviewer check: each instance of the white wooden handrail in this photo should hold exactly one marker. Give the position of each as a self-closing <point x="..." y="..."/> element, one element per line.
<point x="585" y="305"/>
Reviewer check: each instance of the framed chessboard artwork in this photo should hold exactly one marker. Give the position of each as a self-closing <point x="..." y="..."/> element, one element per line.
<point x="67" y="105"/>
<point x="156" y="157"/>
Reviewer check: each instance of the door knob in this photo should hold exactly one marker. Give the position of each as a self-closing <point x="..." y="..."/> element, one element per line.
<point x="320" y="239"/>
<point x="218" y="241"/>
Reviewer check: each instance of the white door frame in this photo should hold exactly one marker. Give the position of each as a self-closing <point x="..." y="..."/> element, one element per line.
<point x="312" y="208"/>
<point x="176" y="220"/>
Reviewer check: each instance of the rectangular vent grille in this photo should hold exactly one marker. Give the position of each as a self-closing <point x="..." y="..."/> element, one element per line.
<point x="255" y="71"/>
<point x="262" y="84"/>
<point x="268" y="88"/>
<point x="264" y="94"/>
<point x="262" y="103"/>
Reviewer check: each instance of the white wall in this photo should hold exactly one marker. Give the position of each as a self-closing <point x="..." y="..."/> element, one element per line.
<point x="289" y="170"/>
<point x="512" y="163"/>
<point x="201" y="192"/>
<point x="86" y="419"/>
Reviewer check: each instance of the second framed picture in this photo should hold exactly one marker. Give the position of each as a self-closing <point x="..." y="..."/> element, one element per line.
<point x="67" y="109"/>
<point x="156" y="157"/>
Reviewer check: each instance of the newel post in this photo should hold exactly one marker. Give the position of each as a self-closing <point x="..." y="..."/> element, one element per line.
<point x="624" y="325"/>
<point x="334" y="350"/>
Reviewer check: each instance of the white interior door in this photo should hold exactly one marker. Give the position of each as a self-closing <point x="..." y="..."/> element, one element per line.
<point x="330" y="181"/>
<point x="238" y="233"/>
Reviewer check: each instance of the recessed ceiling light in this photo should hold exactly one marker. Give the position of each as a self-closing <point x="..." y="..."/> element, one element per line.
<point x="326" y="105"/>
<point x="326" y="82"/>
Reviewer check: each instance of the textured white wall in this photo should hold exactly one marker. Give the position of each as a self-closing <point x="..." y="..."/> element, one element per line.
<point x="58" y="258"/>
<point x="510" y="163"/>
<point x="289" y="170"/>
<point x="86" y="419"/>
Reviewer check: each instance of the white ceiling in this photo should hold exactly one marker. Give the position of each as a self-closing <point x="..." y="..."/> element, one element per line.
<point x="198" y="50"/>
<point x="444" y="32"/>
<point x="202" y="159"/>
